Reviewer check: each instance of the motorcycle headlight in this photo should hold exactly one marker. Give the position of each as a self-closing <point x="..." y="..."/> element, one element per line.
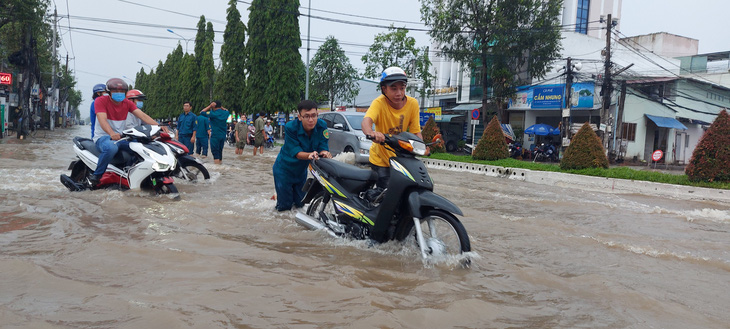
<point x="419" y="148"/>
<point x="159" y="166"/>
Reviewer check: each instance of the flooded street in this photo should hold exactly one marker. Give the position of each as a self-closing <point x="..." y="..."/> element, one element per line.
<point x="222" y="257"/>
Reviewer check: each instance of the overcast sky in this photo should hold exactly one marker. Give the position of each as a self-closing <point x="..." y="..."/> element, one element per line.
<point x="100" y="49"/>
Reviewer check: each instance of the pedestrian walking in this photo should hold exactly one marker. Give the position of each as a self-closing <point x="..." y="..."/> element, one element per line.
<point x="241" y="134"/>
<point x="259" y="134"/>
<point x="186" y="127"/>
<point x="202" y="134"/>
<point x="218" y="117"/>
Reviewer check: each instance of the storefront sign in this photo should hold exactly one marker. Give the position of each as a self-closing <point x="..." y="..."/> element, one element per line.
<point x="423" y="118"/>
<point x="521" y="101"/>
<point x="547" y="97"/>
<point x="436" y="111"/>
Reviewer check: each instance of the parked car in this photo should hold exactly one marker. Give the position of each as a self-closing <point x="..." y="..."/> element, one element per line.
<point x="346" y="134"/>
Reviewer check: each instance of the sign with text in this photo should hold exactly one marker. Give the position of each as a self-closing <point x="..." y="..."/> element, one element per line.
<point x="423" y="118"/>
<point x="6" y="78"/>
<point x="657" y="155"/>
<point x="547" y="97"/>
<point x="436" y="111"/>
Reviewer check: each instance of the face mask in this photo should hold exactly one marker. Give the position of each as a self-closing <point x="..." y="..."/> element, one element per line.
<point x="118" y="97"/>
<point x="139" y="104"/>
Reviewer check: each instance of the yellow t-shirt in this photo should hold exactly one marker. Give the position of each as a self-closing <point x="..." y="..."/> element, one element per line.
<point x="391" y="121"/>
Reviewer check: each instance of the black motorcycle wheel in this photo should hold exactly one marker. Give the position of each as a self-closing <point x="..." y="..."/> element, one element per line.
<point x="443" y="233"/>
<point x="191" y="171"/>
<point x="321" y="205"/>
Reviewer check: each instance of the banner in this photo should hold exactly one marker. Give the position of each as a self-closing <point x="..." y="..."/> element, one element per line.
<point x="522" y="100"/>
<point x="582" y="95"/>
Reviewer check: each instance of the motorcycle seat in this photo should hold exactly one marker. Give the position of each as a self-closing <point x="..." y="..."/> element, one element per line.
<point x="119" y="160"/>
<point x="346" y="171"/>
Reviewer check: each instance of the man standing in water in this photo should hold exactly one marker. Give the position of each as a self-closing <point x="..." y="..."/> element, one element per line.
<point x="202" y="133"/>
<point x="187" y="127"/>
<point x="306" y="138"/>
<point x="218" y="117"/>
<point x="259" y="134"/>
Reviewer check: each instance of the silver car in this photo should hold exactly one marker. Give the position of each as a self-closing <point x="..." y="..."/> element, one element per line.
<point x="346" y="134"/>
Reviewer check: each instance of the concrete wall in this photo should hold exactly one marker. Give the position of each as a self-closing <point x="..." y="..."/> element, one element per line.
<point x="588" y="183"/>
<point x="667" y="44"/>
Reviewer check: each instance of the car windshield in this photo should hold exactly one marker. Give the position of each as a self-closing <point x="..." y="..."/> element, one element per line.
<point x="355" y="121"/>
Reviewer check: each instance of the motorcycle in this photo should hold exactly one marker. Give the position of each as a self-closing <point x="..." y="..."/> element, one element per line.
<point x="546" y="152"/>
<point x="343" y="201"/>
<point x="149" y="165"/>
<point x="515" y="150"/>
<point x="189" y="168"/>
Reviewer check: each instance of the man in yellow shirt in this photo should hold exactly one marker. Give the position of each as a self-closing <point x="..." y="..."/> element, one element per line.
<point x="392" y="113"/>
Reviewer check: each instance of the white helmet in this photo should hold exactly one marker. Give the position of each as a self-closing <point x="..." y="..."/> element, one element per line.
<point x="392" y="75"/>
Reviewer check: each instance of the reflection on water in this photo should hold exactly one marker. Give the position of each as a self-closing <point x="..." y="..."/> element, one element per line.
<point x="221" y="257"/>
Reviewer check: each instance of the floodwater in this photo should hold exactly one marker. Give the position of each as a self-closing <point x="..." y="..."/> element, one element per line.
<point x="221" y="257"/>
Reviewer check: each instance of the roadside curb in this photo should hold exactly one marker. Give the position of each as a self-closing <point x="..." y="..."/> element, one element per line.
<point x="600" y="184"/>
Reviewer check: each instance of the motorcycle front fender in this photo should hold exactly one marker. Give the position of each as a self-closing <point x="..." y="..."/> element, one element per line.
<point x="311" y="187"/>
<point x="424" y="199"/>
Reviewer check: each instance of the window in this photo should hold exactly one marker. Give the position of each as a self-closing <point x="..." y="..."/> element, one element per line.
<point x="340" y="119"/>
<point x="581" y="18"/>
<point x="327" y="119"/>
<point x="628" y="131"/>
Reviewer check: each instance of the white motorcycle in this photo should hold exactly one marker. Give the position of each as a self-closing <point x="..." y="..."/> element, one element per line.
<point x="151" y="164"/>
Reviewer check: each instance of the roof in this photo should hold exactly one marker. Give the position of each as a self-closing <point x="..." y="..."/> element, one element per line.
<point x="449" y="117"/>
<point x="467" y="106"/>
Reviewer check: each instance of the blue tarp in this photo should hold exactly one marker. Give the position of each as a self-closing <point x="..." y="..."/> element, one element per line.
<point x="666" y="122"/>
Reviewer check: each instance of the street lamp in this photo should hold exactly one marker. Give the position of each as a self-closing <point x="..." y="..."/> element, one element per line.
<point x="186" y="40"/>
<point x="145" y="65"/>
<point x="128" y="79"/>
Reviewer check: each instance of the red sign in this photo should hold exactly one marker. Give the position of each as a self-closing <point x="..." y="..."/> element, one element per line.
<point x="657" y="155"/>
<point x="475" y="114"/>
<point x="6" y="79"/>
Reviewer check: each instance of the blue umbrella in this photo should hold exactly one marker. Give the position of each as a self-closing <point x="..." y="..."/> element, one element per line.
<point x="539" y="129"/>
<point x="555" y="132"/>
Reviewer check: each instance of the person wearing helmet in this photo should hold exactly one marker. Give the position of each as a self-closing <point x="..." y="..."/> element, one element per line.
<point x="98" y="90"/>
<point x="392" y="113"/>
<point x="113" y="113"/>
<point x="136" y="96"/>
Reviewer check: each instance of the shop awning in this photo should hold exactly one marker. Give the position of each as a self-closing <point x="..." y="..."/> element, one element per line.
<point x="666" y="122"/>
<point x="467" y="107"/>
<point x="449" y="117"/>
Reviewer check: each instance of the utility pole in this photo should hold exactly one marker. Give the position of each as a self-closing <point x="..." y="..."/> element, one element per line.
<point x="619" y="119"/>
<point x="309" y="23"/>
<point x="606" y="88"/>
<point x="52" y="105"/>
<point x="564" y="131"/>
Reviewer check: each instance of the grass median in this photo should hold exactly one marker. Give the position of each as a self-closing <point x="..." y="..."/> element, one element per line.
<point x="614" y="172"/>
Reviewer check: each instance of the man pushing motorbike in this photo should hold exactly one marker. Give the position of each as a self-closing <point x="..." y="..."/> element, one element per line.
<point x="113" y="112"/>
<point x="392" y="113"/>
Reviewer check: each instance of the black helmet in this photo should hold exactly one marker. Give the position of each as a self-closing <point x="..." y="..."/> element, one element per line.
<point x="116" y="84"/>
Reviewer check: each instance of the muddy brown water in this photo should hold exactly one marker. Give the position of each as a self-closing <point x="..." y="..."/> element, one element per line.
<point x="221" y="257"/>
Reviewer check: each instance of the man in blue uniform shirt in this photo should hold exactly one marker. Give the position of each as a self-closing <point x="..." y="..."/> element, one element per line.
<point x="186" y="127"/>
<point x="305" y="138"/>
<point x="202" y="134"/>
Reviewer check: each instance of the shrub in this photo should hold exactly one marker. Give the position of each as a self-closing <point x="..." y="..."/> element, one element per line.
<point x="429" y="131"/>
<point x="710" y="160"/>
<point x="492" y="145"/>
<point x="585" y="151"/>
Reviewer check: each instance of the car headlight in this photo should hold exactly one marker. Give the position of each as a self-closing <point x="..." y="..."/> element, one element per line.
<point x="363" y="138"/>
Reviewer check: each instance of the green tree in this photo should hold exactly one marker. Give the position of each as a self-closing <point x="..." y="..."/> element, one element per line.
<point x="232" y="77"/>
<point x="397" y="48"/>
<point x="496" y="39"/>
<point x="710" y="160"/>
<point x="255" y="96"/>
<point x="492" y="145"/>
<point x="585" y="151"/>
<point x="332" y="75"/>
<point x="207" y="66"/>
<point x="283" y="58"/>
<point x="197" y="96"/>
